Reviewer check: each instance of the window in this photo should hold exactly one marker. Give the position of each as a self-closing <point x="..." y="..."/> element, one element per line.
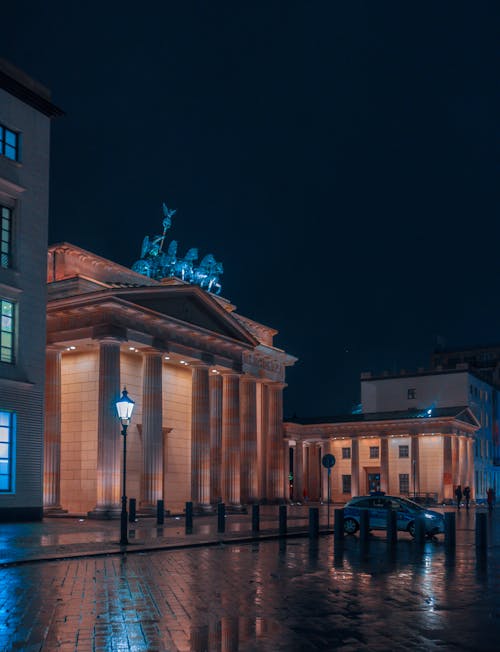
<point x="403" y="451"/>
<point x="404" y="483"/>
<point x="9" y="143"/>
<point x="346" y="484"/>
<point x="6" y="436"/>
<point x="5" y="237"/>
<point x="374" y="452"/>
<point x="6" y="331"/>
<point x="412" y="393"/>
<point x="346" y="453"/>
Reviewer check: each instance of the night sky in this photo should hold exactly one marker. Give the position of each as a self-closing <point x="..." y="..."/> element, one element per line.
<point x="340" y="158"/>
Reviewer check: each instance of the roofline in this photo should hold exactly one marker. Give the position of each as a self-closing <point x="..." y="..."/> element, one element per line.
<point x="20" y="85"/>
<point x="430" y="372"/>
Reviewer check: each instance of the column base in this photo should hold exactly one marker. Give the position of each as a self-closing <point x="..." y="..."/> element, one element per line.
<point x="54" y="510"/>
<point x="201" y="509"/>
<point x="104" y="513"/>
<point x="236" y="509"/>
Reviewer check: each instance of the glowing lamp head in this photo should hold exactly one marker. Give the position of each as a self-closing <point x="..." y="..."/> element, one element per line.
<point x="124" y="408"/>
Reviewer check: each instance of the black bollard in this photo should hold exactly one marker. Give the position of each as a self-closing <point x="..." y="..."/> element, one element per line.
<point x="392" y="527"/>
<point x="282" y="520"/>
<point x="189" y="517"/>
<point x="160" y="512"/>
<point x="255" y="518"/>
<point x="450" y="530"/>
<point x="132" y="503"/>
<point x="221" y="517"/>
<point x="420" y="530"/>
<point x="481" y="530"/>
<point x="338" y="525"/>
<point x="364" y="525"/>
<point x="313" y="522"/>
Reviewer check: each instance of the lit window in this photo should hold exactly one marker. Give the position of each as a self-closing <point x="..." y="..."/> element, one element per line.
<point x="6" y="331"/>
<point x="346" y="484"/>
<point x="403" y="451"/>
<point x="412" y="393"/>
<point x="6" y="437"/>
<point x="346" y="453"/>
<point x="5" y="237"/>
<point x="404" y="483"/>
<point x="374" y="452"/>
<point x="9" y="143"/>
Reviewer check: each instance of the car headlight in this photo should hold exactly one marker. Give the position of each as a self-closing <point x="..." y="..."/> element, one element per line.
<point x="429" y="516"/>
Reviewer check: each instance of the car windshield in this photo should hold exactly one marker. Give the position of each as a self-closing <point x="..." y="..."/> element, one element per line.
<point x="410" y="505"/>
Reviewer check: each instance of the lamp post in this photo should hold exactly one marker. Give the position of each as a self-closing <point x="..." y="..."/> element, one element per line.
<point x="124" y="407"/>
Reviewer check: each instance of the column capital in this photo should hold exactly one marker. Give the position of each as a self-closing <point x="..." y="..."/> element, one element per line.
<point x="112" y="332"/>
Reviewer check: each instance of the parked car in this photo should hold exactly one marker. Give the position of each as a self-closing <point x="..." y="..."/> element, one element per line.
<point x="377" y="506"/>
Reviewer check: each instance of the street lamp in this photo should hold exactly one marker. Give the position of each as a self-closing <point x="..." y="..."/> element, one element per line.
<point x="124" y="407"/>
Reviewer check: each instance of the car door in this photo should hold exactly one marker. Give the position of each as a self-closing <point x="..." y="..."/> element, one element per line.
<point x="378" y="513"/>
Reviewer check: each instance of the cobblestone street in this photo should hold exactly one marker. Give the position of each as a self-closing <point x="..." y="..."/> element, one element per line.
<point x="269" y="595"/>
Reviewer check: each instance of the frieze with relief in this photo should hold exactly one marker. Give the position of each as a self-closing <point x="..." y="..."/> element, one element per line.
<point x="262" y="366"/>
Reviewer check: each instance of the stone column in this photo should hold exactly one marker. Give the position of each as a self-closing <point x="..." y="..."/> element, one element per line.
<point x="215" y="402"/>
<point x="462" y="461"/>
<point x="298" y="472"/>
<point x="264" y="403"/>
<point x="52" y="439"/>
<point x="248" y="424"/>
<point x="231" y="440"/>
<point x="384" y="465"/>
<point x="470" y="466"/>
<point x="275" y="443"/>
<point x="355" y="484"/>
<point x="286" y="469"/>
<point x="415" y="465"/>
<point x="326" y="448"/>
<point x="109" y="441"/>
<point x="200" y="439"/>
<point x="313" y="472"/>
<point x="152" y="433"/>
<point x="447" y="489"/>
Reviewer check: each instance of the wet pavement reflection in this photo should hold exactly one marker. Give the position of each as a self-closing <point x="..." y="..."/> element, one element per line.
<point x="289" y="594"/>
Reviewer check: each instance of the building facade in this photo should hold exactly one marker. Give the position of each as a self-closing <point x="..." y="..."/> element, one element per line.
<point x="207" y="383"/>
<point x="25" y="114"/>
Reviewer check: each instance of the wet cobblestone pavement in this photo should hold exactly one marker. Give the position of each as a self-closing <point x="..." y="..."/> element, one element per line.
<point x="275" y="595"/>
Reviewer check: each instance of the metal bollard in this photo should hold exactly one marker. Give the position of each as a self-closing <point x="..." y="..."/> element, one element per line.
<point x="313" y="522"/>
<point x="364" y="526"/>
<point x="255" y="518"/>
<point x="338" y="525"/>
<point x="160" y="512"/>
<point x="481" y="530"/>
<point x="132" y="505"/>
<point x="189" y="517"/>
<point x="392" y="527"/>
<point x="282" y="520"/>
<point x="221" y="517"/>
<point x="450" y="530"/>
<point x="420" y="530"/>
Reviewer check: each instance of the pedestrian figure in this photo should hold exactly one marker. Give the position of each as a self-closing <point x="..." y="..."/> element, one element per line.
<point x="467" y="496"/>
<point x="458" y="494"/>
<point x="490" y="495"/>
<point x="304" y="494"/>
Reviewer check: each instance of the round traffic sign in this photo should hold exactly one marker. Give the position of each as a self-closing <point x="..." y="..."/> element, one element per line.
<point x="328" y="460"/>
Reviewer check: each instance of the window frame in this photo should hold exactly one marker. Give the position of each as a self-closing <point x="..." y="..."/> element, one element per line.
<point x="10" y="427"/>
<point x="4" y="144"/>
<point x="411" y="393"/>
<point x="372" y="450"/>
<point x="404" y="481"/>
<point x="12" y="332"/>
<point x="346" y="452"/>
<point x="6" y="239"/>
<point x="346" y="483"/>
<point x="406" y="448"/>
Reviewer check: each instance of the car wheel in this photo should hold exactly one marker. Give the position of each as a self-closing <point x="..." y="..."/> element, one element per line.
<point x="411" y="528"/>
<point x="350" y="526"/>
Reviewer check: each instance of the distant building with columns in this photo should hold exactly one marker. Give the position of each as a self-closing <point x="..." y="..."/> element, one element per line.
<point x="207" y="382"/>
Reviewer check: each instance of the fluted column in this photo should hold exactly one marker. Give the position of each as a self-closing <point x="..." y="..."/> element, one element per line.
<point x="325" y="450"/>
<point x="108" y="432"/>
<point x="200" y="439"/>
<point x="447" y="489"/>
<point x="470" y="466"/>
<point x="298" y="472"/>
<point x="152" y="433"/>
<point x="286" y="468"/>
<point x="264" y="426"/>
<point x="52" y="440"/>
<point x="275" y="442"/>
<point x="215" y="401"/>
<point x="231" y="439"/>
<point x="313" y="472"/>
<point x="415" y="464"/>
<point x="248" y="425"/>
<point x="355" y="485"/>
<point x="384" y="465"/>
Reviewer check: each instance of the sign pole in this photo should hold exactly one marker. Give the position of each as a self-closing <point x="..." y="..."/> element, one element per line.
<point x="328" y="461"/>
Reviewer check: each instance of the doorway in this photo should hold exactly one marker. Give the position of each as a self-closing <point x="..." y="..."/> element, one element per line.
<point x="373" y="481"/>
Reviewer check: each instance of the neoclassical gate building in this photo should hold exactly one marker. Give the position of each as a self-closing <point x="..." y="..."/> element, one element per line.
<point x="207" y="382"/>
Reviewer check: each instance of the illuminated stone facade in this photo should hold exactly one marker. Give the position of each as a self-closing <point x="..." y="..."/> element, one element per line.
<point x="207" y="384"/>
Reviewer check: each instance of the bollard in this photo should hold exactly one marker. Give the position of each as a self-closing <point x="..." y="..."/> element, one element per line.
<point x="364" y="526"/>
<point x="481" y="531"/>
<point x="392" y="527"/>
<point x="160" y="512"/>
<point x="189" y="517"/>
<point x="282" y="520"/>
<point x="221" y="517"/>
<point x="338" y="525"/>
<point x="450" y="530"/>
<point x="420" y="530"/>
<point x="255" y="518"/>
<point x="132" y="503"/>
<point x="313" y="522"/>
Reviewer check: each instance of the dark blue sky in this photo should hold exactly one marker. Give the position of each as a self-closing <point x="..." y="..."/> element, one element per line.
<point x="340" y="158"/>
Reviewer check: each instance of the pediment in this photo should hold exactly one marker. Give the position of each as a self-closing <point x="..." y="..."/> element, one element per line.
<point x="467" y="416"/>
<point x="190" y="305"/>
